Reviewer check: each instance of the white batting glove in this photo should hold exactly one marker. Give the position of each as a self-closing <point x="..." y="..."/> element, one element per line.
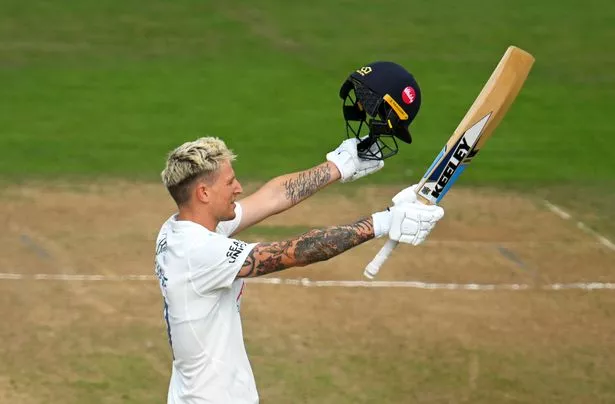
<point x="406" y="195"/>
<point x="407" y="222"/>
<point x="348" y="162"/>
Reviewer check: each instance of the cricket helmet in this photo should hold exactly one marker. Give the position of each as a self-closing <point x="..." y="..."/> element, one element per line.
<point x="385" y="98"/>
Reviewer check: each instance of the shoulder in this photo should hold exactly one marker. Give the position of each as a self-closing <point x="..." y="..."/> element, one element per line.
<point x="166" y="225"/>
<point x="215" y="249"/>
<point x="216" y="261"/>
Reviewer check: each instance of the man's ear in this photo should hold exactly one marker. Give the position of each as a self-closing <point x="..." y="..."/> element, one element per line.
<point x="202" y="191"/>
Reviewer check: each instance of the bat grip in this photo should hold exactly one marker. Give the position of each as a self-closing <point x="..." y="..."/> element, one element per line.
<point x="371" y="270"/>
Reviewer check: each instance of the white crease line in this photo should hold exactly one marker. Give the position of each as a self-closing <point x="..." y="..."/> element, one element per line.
<point x="557" y="210"/>
<point x="75" y="277"/>
<point x="11" y="276"/>
<point x="433" y="286"/>
<point x="585" y="286"/>
<point x="603" y="240"/>
<point x="305" y="282"/>
<point x="490" y="244"/>
<point x="566" y="216"/>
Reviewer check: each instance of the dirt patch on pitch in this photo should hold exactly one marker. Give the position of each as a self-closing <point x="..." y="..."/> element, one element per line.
<point x="487" y="237"/>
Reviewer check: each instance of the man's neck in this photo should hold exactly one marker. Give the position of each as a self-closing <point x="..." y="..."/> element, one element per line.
<point x="200" y="217"/>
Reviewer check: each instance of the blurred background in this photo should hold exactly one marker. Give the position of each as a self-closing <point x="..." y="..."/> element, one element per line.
<point x="94" y="94"/>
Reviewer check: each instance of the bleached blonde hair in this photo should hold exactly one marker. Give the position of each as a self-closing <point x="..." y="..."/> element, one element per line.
<point x="200" y="158"/>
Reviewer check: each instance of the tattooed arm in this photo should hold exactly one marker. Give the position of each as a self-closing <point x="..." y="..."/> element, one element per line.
<point x="284" y="192"/>
<point x="313" y="246"/>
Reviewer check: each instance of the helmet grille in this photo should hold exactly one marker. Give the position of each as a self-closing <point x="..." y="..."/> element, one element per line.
<point x="368" y="99"/>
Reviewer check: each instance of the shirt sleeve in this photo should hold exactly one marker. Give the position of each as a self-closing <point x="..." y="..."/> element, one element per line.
<point x="227" y="228"/>
<point x="216" y="261"/>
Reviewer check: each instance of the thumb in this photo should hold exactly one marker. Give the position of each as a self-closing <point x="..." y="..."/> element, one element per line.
<point x="397" y="217"/>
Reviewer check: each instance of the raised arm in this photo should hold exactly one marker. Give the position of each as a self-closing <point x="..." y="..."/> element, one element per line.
<point x="406" y="222"/>
<point x="313" y="246"/>
<point x="284" y="192"/>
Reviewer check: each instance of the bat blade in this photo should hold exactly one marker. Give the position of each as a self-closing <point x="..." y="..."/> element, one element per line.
<point x="478" y="124"/>
<point x="467" y="140"/>
<point x="451" y="162"/>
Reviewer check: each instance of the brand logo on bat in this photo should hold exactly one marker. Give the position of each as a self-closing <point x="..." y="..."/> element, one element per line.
<point x="462" y="149"/>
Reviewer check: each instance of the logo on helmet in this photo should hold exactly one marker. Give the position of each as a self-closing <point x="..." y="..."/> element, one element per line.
<point x="408" y="95"/>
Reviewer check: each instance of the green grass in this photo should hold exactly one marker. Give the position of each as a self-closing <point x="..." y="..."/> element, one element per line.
<point x="442" y="372"/>
<point x="108" y="88"/>
<point x="115" y="378"/>
<point x="108" y="363"/>
<point x="322" y="360"/>
<point x="104" y="89"/>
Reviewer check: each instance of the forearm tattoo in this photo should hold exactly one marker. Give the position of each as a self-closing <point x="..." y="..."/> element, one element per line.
<point x="313" y="246"/>
<point x="306" y="183"/>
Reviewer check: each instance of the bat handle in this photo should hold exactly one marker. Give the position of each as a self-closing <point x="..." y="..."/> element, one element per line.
<point x="371" y="270"/>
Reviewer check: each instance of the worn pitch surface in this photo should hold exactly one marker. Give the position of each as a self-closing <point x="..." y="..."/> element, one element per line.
<point x="78" y="341"/>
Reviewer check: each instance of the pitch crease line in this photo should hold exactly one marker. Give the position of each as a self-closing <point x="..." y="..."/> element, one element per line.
<point x="567" y="216"/>
<point x="305" y="282"/>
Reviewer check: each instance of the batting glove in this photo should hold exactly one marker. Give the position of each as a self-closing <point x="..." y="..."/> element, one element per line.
<point x="348" y="162"/>
<point x="407" y="222"/>
<point x="406" y="195"/>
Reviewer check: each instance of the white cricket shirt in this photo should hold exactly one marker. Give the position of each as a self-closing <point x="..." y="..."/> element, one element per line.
<point x="197" y="269"/>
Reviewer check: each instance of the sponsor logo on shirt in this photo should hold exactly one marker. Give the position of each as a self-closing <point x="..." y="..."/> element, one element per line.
<point x="235" y="250"/>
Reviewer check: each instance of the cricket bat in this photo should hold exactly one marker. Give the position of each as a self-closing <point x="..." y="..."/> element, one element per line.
<point x="473" y="131"/>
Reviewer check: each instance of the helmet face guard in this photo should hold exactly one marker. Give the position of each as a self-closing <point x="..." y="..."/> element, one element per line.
<point x="360" y="103"/>
<point x="379" y="102"/>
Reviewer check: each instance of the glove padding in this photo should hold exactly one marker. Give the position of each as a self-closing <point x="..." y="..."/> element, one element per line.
<point x="412" y="222"/>
<point x="348" y="162"/>
<point x="408" y="221"/>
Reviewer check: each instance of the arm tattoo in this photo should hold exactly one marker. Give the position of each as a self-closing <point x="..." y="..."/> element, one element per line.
<point x="313" y="246"/>
<point x="306" y="183"/>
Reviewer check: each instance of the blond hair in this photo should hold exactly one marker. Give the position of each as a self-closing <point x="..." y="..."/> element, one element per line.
<point x="200" y="158"/>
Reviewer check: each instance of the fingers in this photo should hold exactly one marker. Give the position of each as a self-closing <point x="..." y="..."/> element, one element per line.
<point x="351" y="141"/>
<point x="406" y="195"/>
<point x="412" y="222"/>
<point x="410" y="226"/>
<point x="437" y="212"/>
<point x="350" y="165"/>
<point x="431" y="213"/>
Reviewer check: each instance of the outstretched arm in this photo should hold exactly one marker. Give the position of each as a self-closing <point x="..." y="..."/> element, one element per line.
<point x="313" y="246"/>
<point x="285" y="191"/>
<point x="406" y="222"/>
